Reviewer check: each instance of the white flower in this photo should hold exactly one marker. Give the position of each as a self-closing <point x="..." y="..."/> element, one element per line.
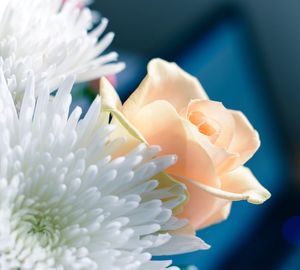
<point x="53" y="40"/>
<point x="84" y="2"/>
<point x="65" y="204"/>
<point x="80" y="3"/>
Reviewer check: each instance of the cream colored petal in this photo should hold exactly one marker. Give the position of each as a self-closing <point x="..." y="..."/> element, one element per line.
<point x="121" y="132"/>
<point x="161" y="125"/>
<point x="237" y="185"/>
<point x="242" y="181"/>
<point x="111" y="103"/>
<point x="110" y="98"/>
<point x="246" y="139"/>
<point x="165" y="81"/>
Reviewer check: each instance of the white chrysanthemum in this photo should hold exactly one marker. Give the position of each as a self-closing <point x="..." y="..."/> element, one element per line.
<point x="84" y="2"/>
<point x="65" y="204"/>
<point x="53" y="40"/>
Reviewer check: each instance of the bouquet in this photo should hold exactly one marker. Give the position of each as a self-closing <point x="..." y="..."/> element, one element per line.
<point x="124" y="182"/>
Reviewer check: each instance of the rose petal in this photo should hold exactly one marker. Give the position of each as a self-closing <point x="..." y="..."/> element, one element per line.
<point x="242" y="181"/>
<point x="246" y="139"/>
<point x="201" y="206"/>
<point x="161" y="125"/>
<point x="237" y="185"/>
<point x="209" y="205"/>
<point x="219" y="216"/>
<point x="111" y="103"/>
<point x="165" y="81"/>
<point x="110" y="98"/>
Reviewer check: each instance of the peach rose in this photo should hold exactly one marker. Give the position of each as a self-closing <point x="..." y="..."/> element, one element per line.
<point x="171" y="109"/>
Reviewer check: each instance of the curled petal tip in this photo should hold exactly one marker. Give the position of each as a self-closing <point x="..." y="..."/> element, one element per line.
<point x="258" y="198"/>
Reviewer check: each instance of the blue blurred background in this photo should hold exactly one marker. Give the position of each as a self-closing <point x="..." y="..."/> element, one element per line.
<point x="246" y="54"/>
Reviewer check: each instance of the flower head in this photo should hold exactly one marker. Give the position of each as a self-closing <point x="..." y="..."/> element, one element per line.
<point x="170" y="108"/>
<point x="54" y="40"/>
<point x="65" y="203"/>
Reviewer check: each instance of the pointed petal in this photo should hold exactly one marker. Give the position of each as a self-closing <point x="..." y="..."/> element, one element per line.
<point x="111" y="103"/>
<point x="242" y="181"/>
<point x="237" y="185"/>
<point x="110" y="98"/>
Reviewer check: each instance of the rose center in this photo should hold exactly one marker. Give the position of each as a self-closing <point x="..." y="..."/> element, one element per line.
<point x="205" y="125"/>
<point x="208" y="128"/>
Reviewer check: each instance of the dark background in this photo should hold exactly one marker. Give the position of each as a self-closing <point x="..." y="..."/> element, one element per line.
<point x="246" y="54"/>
